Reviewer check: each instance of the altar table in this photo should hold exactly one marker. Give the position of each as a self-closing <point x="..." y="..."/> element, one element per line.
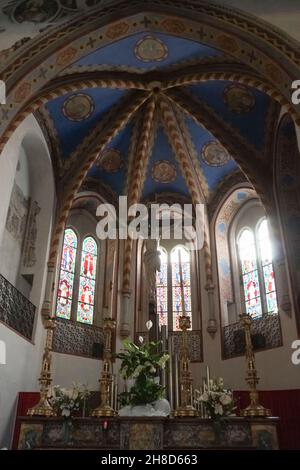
<point x="143" y="433"/>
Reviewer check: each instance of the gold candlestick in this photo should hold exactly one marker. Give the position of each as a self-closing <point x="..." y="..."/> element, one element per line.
<point x="106" y="380"/>
<point x="43" y="407"/>
<point x="186" y="407"/>
<point x="252" y="379"/>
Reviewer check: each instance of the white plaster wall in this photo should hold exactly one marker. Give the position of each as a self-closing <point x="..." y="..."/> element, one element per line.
<point x="68" y="369"/>
<point x="10" y="249"/>
<point x="275" y="367"/>
<point x="23" y="357"/>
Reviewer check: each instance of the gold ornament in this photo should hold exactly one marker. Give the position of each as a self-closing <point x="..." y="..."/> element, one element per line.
<point x="252" y="379"/>
<point x="106" y="380"/>
<point x="43" y="407"/>
<point x="186" y="407"/>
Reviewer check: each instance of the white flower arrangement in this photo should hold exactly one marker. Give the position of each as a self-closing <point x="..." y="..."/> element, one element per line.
<point x="68" y="401"/>
<point x="217" y="400"/>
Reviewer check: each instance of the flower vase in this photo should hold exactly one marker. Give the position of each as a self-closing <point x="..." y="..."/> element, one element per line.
<point x="67" y="429"/>
<point x="219" y="426"/>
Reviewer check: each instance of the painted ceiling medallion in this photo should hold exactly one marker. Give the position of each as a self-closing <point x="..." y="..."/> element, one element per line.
<point x="214" y="154"/>
<point x="36" y="11"/>
<point x="238" y="98"/>
<point x="78" y="107"/>
<point x="151" y="49"/>
<point x="164" y="172"/>
<point x="110" y="161"/>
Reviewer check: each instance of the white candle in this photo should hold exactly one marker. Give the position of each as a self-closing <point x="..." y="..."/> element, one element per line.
<point x="208" y="378"/>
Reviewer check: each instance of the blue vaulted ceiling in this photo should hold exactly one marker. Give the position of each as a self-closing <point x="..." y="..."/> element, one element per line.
<point x="162" y="151"/>
<point x="124" y="52"/>
<point x="245" y="109"/>
<point x="251" y="124"/>
<point x="70" y="133"/>
<point x="116" y="179"/>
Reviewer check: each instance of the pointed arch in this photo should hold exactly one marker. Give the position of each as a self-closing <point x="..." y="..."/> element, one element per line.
<point x="87" y="280"/>
<point x="66" y="275"/>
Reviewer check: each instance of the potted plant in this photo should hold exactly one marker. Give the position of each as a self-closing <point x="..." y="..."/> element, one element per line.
<point x="142" y="364"/>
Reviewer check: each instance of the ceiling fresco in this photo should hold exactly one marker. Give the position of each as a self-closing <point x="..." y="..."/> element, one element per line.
<point x="71" y="117"/>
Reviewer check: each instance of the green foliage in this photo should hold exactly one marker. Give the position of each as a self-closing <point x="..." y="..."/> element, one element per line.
<point x="143" y="364"/>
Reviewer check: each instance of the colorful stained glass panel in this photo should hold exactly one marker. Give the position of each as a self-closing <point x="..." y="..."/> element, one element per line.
<point x="251" y="285"/>
<point x="86" y="291"/>
<point x="162" y="276"/>
<point x="65" y="285"/>
<point x="88" y="265"/>
<point x="162" y="289"/>
<point x="66" y="276"/>
<point x="272" y="302"/>
<point x="253" y="308"/>
<point x="269" y="278"/>
<point x="70" y="238"/>
<point x="63" y="309"/>
<point x="85" y="313"/>
<point x="89" y="245"/>
<point x="264" y="243"/>
<point x="247" y="251"/>
<point x="68" y="258"/>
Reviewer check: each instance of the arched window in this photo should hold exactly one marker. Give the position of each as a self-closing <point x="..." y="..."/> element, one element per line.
<point x="66" y="276"/>
<point x="77" y="279"/>
<point x="248" y="259"/>
<point x="162" y="288"/>
<point x="265" y="252"/>
<point x="181" y="284"/>
<point x="257" y="271"/>
<point x="86" y="298"/>
<point x="173" y="286"/>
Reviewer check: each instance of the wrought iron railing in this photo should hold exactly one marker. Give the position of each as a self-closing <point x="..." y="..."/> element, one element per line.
<point x="266" y="334"/>
<point x="16" y="311"/>
<point x="72" y="337"/>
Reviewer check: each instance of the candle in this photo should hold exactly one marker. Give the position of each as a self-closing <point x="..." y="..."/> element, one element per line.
<point x="111" y="297"/>
<point x="176" y="381"/>
<point x="207" y="378"/>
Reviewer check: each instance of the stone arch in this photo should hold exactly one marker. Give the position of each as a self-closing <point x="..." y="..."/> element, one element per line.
<point x="40" y="60"/>
<point x="287" y="191"/>
<point x="233" y="200"/>
<point x="275" y="57"/>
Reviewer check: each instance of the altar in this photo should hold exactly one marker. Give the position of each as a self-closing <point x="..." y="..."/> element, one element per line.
<point x="142" y="433"/>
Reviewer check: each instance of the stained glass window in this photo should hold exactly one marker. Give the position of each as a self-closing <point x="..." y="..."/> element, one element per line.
<point x="181" y="284"/>
<point x="265" y="250"/>
<point x="162" y="288"/>
<point x="66" y="276"/>
<point x="248" y="259"/>
<point x="86" y="295"/>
